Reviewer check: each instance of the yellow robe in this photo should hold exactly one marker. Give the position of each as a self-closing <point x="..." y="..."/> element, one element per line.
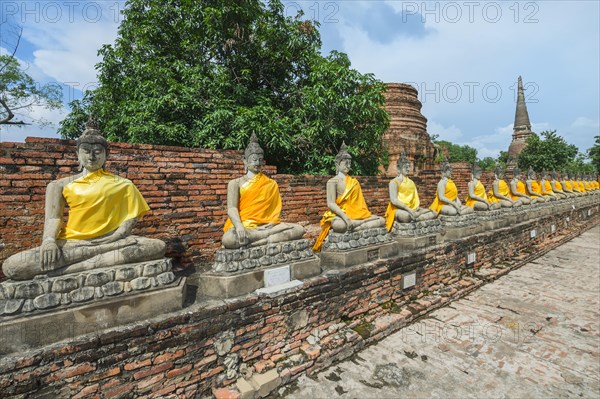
<point x="502" y="190"/>
<point x="451" y="193"/>
<point x="352" y="202"/>
<point x="520" y="189"/>
<point x="260" y="203"/>
<point x="99" y="203"/>
<point x="581" y="186"/>
<point x="536" y="188"/>
<point x="480" y="192"/>
<point x="408" y="195"/>
<point x="547" y="188"/>
<point x="574" y="186"/>
<point x="567" y="186"/>
<point x="557" y="186"/>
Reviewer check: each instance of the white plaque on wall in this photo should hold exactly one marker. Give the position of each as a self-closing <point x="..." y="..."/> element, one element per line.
<point x="471" y="258"/>
<point x="532" y="233"/>
<point x="276" y="276"/>
<point x="409" y="280"/>
<point x="553" y="228"/>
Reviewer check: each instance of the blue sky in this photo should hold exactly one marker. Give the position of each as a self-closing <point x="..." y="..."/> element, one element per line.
<point x="464" y="57"/>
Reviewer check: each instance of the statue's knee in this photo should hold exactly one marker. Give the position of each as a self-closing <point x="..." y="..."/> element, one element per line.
<point x="338" y="225"/>
<point x="229" y="239"/>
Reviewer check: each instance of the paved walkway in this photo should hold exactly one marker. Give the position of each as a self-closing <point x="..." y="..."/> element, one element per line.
<point x="534" y="333"/>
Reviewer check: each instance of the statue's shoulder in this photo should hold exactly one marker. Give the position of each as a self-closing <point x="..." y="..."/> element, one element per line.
<point x="62" y="182"/>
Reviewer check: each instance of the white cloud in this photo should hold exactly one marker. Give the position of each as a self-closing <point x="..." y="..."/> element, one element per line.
<point x="451" y="133"/>
<point x="583" y="122"/>
<point x="66" y="50"/>
<point x="44" y="124"/>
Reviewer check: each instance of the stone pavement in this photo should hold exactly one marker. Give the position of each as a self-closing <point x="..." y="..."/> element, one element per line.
<point x="534" y="333"/>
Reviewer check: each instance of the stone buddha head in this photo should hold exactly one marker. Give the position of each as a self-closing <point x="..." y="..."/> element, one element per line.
<point x="403" y="164"/>
<point x="254" y="156"/>
<point x="343" y="160"/>
<point x="92" y="148"/>
<point x="530" y="174"/>
<point x="499" y="172"/>
<point x="446" y="169"/>
<point x="476" y="171"/>
<point x="517" y="173"/>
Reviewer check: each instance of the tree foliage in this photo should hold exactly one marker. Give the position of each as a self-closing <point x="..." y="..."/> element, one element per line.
<point x="547" y="151"/>
<point x="456" y="152"/>
<point x="19" y="92"/>
<point x="208" y="73"/>
<point x="594" y="153"/>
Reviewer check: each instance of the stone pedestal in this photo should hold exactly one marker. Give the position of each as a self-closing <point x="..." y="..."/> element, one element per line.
<point x="354" y="248"/>
<point x="47" y="293"/>
<point x="47" y="310"/>
<point x="416" y="235"/>
<point x="241" y="271"/>
<point x="496" y="219"/>
<point x="457" y="227"/>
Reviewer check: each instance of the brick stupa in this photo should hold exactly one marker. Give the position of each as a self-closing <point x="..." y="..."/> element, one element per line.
<point x="408" y="129"/>
<point x="522" y="126"/>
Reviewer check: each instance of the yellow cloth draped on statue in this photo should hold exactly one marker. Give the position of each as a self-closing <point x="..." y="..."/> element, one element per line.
<point x="568" y="185"/>
<point x="480" y="192"/>
<point x="574" y="186"/>
<point x="99" y="203"/>
<point x="502" y="190"/>
<point x="451" y="193"/>
<point x="520" y="189"/>
<point x="408" y="195"/>
<point x="558" y="186"/>
<point x="535" y="187"/>
<point x="260" y="203"/>
<point x="547" y="188"/>
<point x="352" y="202"/>
<point x="581" y="186"/>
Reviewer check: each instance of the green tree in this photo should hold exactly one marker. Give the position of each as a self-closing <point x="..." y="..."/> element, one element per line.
<point x="19" y="92"/>
<point x="458" y="153"/>
<point x="594" y="154"/>
<point x="487" y="163"/>
<point x="547" y="151"/>
<point x="210" y="72"/>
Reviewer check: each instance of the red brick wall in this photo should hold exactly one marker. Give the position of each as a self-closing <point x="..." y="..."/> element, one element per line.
<point x="185" y="188"/>
<point x="175" y="353"/>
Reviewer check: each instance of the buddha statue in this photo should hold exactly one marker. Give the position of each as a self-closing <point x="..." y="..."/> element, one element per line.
<point x="517" y="189"/>
<point x="103" y="209"/>
<point x="557" y="187"/>
<point x="404" y="198"/>
<point x="477" y="198"/>
<point x="500" y="192"/>
<point x="567" y="185"/>
<point x="347" y="209"/>
<point x="579" y="184"/>
<point x="254" y="206"/>
<point x="546" y="187"/>
<point x="446" y="200"/>
<point x="560" y="185"/>
<point x="533" y="188"/>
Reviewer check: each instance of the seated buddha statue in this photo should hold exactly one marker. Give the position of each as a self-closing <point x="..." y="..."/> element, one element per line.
<point x="532" y="187"/>
<point x="103" y="209"/>
<point x="254" y="206"/>
<point x="347" y="209"/>
<point x="561" y="185"/>
<point x="404" y="198"/>
<point x="477" y="198"/>
<point x="557" y="186"/>
<point x="500" y="192"/>
<point x="579" y="184"/>
<point x="446" y="200"/>
<point x="517" y="189"/>
<point x="546" y="187"/>
<point x="567" y="184"/>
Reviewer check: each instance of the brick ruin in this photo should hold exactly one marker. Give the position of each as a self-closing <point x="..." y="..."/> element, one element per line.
<point x="407" y="131"/>
<point x="328" y="318"/>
